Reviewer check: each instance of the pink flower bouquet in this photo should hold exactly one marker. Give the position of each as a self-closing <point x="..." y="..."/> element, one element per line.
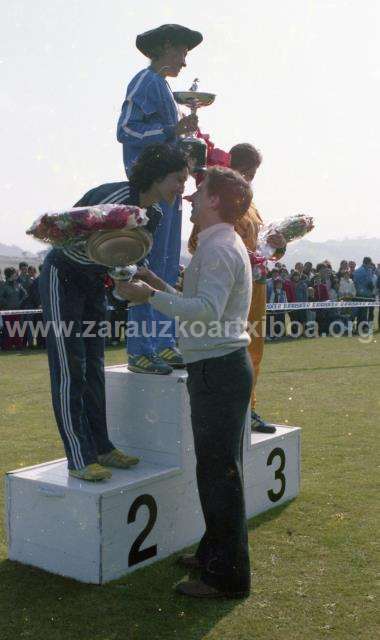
<point x="65" y="228"/>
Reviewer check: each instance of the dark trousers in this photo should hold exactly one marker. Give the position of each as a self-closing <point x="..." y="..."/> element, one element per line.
<point x="364" y="314"/>
<point x="75" y="295"/>
<point x="220" y="391"/>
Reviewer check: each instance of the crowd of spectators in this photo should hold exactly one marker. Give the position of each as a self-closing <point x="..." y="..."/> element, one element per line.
<point x="19" y="290"/>
<point x="304" y="283"/>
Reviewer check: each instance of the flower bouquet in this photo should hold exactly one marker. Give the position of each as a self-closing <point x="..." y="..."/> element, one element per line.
<point x="292" y="228"/>
<point x="67" y="228"/>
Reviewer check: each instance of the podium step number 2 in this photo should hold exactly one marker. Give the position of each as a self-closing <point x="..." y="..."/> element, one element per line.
<point x="98" y="532"/>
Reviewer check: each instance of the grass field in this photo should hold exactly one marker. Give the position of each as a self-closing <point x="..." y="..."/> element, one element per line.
<point x="313" y="560"/>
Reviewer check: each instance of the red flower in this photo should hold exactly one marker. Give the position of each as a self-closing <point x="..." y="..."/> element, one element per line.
<point x="117" y="218"/>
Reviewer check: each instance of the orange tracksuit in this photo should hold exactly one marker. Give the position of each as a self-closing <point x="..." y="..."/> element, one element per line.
<point x="248" y="227"/>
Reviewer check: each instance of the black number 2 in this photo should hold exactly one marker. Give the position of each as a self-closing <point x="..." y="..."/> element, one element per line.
<point x="272" y="495"/>
<point x="136" y="555"/>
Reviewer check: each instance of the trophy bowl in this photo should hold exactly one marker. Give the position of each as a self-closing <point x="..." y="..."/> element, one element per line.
<point x="119" y="248"/>
<point x="194" y="99"/>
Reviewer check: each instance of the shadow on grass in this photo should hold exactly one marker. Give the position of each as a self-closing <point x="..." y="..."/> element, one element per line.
<point x="268" y="516"/>
<point x="142" y="605"/>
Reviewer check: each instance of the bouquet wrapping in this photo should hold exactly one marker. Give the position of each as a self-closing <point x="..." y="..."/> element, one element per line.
<point x="66" y="228"/>
<point x="292" y="228"/>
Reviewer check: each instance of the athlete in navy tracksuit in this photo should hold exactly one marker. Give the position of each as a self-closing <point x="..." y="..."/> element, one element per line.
<point x="149" y="114"/>
<point x="72" y="291"/>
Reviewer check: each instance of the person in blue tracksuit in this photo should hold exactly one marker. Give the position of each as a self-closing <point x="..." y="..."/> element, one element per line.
<point x="73" y="292"/>
<point x="149" y="114"/>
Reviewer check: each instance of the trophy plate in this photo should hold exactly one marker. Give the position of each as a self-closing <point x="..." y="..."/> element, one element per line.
<point x="194" y="99"/>
<point x="119" y="248"/>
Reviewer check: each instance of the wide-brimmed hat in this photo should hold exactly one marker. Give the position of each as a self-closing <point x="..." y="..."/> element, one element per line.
<point x="174" y="33"/>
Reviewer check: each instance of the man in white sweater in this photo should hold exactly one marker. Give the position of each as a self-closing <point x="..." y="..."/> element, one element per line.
<point x="213" y="311"/>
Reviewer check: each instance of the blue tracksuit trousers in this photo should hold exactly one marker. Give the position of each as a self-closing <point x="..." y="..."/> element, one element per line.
<point x="74" y="295"/>
<point x="148" y="330"/>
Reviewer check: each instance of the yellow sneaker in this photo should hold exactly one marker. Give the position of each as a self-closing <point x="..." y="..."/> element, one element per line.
<point x="93" y="473"/>
<point x="118" y="459"/>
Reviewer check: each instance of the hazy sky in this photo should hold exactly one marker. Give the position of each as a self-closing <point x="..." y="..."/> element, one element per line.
<point x="297" y="78"/>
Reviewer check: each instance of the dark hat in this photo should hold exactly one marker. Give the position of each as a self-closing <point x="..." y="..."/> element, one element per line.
<point x="173" y="33"/>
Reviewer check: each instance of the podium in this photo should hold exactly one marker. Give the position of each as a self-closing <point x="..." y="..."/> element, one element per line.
<point x="97" y="532"/>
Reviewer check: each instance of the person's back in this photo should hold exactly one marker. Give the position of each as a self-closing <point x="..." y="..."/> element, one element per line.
<point x="301" y="291"/>
<point x="346" y="287"/>
<point x="363" y="281"/>
<point x="11" y="295"/>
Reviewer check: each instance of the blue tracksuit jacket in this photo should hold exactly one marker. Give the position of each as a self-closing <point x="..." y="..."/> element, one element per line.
<point x="149" y="115"/>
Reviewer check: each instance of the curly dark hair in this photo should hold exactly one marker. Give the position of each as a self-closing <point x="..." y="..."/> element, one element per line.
<point x="245" y="155"/>
<point x="9" y="272"/>
<point x="154" y="164"/>
<point x="235" y="194"/>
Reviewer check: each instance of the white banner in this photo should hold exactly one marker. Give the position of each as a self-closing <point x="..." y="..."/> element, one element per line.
<point x="328" y="304"/>
<point x="271" y="306"/>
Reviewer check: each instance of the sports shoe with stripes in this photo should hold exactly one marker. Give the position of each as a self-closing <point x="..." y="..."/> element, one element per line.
<point x="172" y="357"/>
<point x="259" y="425"/>
<point x="92" y="473"/>
<point x="149" y="364"/>
<point x="117" y="459"/>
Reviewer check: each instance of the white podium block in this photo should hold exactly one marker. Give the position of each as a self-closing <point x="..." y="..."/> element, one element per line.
<point x="97" y="532"/>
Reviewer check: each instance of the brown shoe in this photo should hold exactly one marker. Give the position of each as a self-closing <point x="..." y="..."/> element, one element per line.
<point x="198" y="589"/>
<point x="189" y="560"/>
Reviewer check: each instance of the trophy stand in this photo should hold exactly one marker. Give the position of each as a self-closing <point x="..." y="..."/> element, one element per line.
<point x="195" y="148"/>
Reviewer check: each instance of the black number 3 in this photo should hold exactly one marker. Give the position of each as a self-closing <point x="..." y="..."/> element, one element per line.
<point x="278" y="474"/>
<point x="136" y="555"/>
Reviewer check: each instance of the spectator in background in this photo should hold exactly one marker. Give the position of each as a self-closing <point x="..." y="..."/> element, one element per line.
<point x="33" y="301"/>
<point x="351" y="267"/>
<point x="365" y="290"/>
<point x="288" y="286"/>
<point x="298" y="267"/>
<point x="24" y="278"/>
<point x="347" y="291"/>
<point x="310" y="313"/>
<point x="343" y="267"/>
<point x="1" y="317"/>
<point x="333" y="315"/>
<point x="334" y="288"/>
<point x="284" y="273"/>
<point x="321" y="294"/>
<point x="278" y="295"/>
<point x="325" y="272"/>
<point x="274" y="274"/>
<point x="300" y="293"/>
<point x="12" y="295"/>
<point x="307" y="271"/>
<point x="378" y="281"/>
<point x="32" y="272"/>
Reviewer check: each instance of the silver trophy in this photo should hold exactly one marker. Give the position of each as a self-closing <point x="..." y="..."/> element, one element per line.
<point x="195" y="148"/>
<point x="120" y="250"/>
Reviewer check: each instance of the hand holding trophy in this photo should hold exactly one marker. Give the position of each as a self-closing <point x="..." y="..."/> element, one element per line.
<point x="194" y="147"/>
